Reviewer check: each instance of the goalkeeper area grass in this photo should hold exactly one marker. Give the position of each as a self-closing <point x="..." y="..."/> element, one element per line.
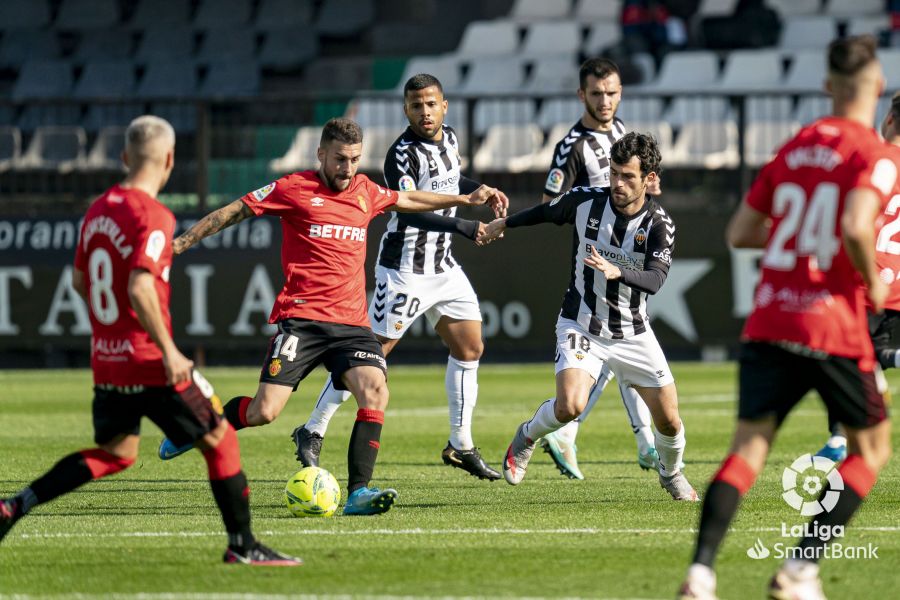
<point x="153" y="532"/>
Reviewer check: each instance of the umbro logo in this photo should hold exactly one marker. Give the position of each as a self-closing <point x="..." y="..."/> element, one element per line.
<point x="318" y="201"/>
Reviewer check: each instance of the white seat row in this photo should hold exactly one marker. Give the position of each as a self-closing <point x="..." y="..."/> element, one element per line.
<point x="61" y="148"/>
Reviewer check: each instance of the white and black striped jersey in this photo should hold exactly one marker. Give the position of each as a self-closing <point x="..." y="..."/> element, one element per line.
<point x="640" y="245"/>
<point x="417" y="163"/>
<point x="582" y="158"/>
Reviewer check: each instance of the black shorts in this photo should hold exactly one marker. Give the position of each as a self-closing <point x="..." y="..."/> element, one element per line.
<point x="773" y="380"/>
<point x="301" y="345"/>
<point x="881" y="328"/>
<point x="184" y="416"/>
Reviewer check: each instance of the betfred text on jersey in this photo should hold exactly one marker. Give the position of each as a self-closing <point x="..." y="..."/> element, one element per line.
<point x="337" y="232"/>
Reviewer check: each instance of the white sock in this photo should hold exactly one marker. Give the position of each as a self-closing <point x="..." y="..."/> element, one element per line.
<point x="329" y="401"/>
<point x="639" y="418"/>
<point x="568" y="432"/>
<point x="543" y="422"/>
<point x="462" y="394"/>
<point x="671" y="451"/>
<point x="836" y="441"/>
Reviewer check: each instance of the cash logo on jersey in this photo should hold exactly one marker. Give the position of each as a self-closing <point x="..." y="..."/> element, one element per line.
<point x="555" y="180"/>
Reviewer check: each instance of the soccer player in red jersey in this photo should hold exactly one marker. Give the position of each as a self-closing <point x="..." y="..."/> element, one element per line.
<point x="122" y="270"/>
<point x="321" y="311"/>
<point x="813" y="209"/>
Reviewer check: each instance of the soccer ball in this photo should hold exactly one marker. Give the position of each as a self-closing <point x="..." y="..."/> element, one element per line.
<point x="312" y="492"/>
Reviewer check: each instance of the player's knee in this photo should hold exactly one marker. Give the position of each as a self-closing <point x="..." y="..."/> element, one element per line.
<point x="567" y="409"/>
<point x="374" y="395"/>
<point x="471" y="351"/>
<point x="266" y="414"/>
<point x="669" y="426"/>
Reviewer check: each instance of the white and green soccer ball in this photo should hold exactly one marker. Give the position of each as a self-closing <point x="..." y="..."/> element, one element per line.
<point x="312" y="492"/>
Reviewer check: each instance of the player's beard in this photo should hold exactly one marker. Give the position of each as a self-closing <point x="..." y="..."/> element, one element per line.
<point x="595" y="115"/>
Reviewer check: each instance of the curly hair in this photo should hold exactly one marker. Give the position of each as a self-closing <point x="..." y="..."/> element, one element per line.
<point x="642" y="145"/>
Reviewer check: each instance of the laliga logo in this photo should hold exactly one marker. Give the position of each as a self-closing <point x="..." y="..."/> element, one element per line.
<point x="803" y="481"/>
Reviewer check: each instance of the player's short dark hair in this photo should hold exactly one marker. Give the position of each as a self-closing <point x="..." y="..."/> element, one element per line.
<point x="848" y="56"/>
<point x="341" y="130"/>
<point x="642" y="145"/>
<point x="601" y="68"/>
<point x="895" y="106"/>
<point x="420" y="82"/>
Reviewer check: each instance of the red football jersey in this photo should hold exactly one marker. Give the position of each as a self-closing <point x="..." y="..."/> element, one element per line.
<point x="809" y="293"/>
<point x="887" y="246"/>
<point x="323" y="247"/>
<point x="123" y="230"/>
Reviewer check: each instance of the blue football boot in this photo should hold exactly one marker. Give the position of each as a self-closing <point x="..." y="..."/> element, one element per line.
<point x="369" y="501"/>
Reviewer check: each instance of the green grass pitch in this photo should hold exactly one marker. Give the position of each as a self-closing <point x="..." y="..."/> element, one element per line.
<point x="153" y="532"/>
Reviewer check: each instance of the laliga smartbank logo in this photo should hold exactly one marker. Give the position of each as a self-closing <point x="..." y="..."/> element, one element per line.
<point x="803" y="483"/>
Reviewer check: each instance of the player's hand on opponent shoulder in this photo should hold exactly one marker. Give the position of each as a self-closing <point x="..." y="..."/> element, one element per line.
<point x="178" y="367"/>
<point x="595" y="261"/>
<point x="493" y="197"/>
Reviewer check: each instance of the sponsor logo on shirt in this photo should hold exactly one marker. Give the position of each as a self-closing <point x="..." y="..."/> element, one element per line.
<point x="337" y="232"/>
<point x="664" y="255"/>
<point x="443" y="184"/>
<point x="593" y="223"/>
<point x="111" y="347"/>
<point x="260" y="194"/>
<point x="156" y="242"/>
<point x="407" y="184"/>
<point x="370" y="356"/>
<point x="316" y="201"/>
<point x="554" y="180"/>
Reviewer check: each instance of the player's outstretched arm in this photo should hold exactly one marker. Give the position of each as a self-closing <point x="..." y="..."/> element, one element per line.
<point x="145" y="301"/>
<point x="211" y="224"/>
<point x="748" y="228"/>
<point x="418" y="201"/>
<point x="858" y="233"/>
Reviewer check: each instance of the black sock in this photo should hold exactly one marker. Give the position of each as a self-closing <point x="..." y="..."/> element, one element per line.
<point x="847" y="505"/>
<point x="233" y="410"/>
<point x="887" y="358"/>
<point x="363" y="449"/>
<point x="720" y="503"/>
<point x="833" y="426"/>
<point x="233" y="498"/>
<point x="68" y="474"/>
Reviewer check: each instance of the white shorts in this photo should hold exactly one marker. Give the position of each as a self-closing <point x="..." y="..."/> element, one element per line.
<point x="637" y="360"/>
<point x="400" y="298"/>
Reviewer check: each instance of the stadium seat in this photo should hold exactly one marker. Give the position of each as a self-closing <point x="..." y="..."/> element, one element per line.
<point x="806" y="72"/>
<point x="181" y="115"/>
<point x="153" y="14"/>
<point x="376" y="142"/>
<point x="18" y="15"/>
<point x="106" y="79"/>
<point x="279" y="14"/>
<point x="642" y="108"/>
<point x="592" y="11"/>
<point x="528" y="11"/>
<point x="87" y="14"/>
<point x="60" y="148"/>
<point x="708" y="144"/>
<point x="808" y="32"/>
<point x="335" y="19"/>
<point x="18" y="47"/>
<point x="100" y="115"/>
<point x="10" y="147"/>
<point x="165" y="44"/>
<point x="768" y="108"/>
<point x="751" y="70"/>
<point x="509" y="147"/>
<point x="791" y="8"/>
<point x="43" y="79"/>
<point x="646" y="64"/>
<point x="227" y="44"/>
<point x="870" y="25"/>
<point x="495" y="111"/>
<point x="106" y="153"/>
<point x="168" y="80"/>
<point x="600" y="37"/>
<point x="222" y="14"/>
<point x="377" y="112"/>
<point x="288" y="48"/>
<point x="810" y="108"/>
<point x="762" y="140"/>
<point x="716" y="8"/>
<point x="660" y="130"/>
<point x="493" y="75"/>
<point x="559" y="111"/>
<point x="301" y="154"/>
<point x="543" y="157"/>
<point x="687" y="109"/>
<point x="109" y="44"/>
<point x="554" y="74"/>
<point x="231" y="78"/>
<point x="686" y="72"/>
<point x="556" y="38"/>
<point x="488" y="38"/>
<point x="445" y="68"/>
<point x="36" y="115"/>
<point x="854" y="8"/>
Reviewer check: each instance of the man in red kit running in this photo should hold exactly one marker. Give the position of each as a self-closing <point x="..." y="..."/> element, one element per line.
<point x="813" y="209"/>
<point x="122" y="270"/>
<point x="321" y="311"/>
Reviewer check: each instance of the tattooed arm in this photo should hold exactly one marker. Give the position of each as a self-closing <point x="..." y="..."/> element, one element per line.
<point x="213" y="223"/>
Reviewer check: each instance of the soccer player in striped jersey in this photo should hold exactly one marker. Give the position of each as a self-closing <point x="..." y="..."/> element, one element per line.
<point x="416" y="274"/>
<point x="622" y="250"/>
<point x="581" y="158"/>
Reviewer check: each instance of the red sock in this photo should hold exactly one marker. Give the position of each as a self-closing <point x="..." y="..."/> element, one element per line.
<point x="736" y="472"/>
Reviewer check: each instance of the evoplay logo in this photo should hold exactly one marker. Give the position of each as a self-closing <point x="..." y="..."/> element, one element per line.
<point x="804" y="480"/>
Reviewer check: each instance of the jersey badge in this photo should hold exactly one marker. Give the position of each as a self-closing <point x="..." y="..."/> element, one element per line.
<point x="217" y="404"/>
<point x="260" y="194"/>
<point x="554" y="180"/>
<point x="155" y="244"/>
<point x="640" y="236"/>
<point x="407" y="184"/>
<point x="275" y="367"/>
<point x="318" y="202"/>
<point x="362" y="204"/>
<point x="579" y="355"/>
<point x="398" y="325"/>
